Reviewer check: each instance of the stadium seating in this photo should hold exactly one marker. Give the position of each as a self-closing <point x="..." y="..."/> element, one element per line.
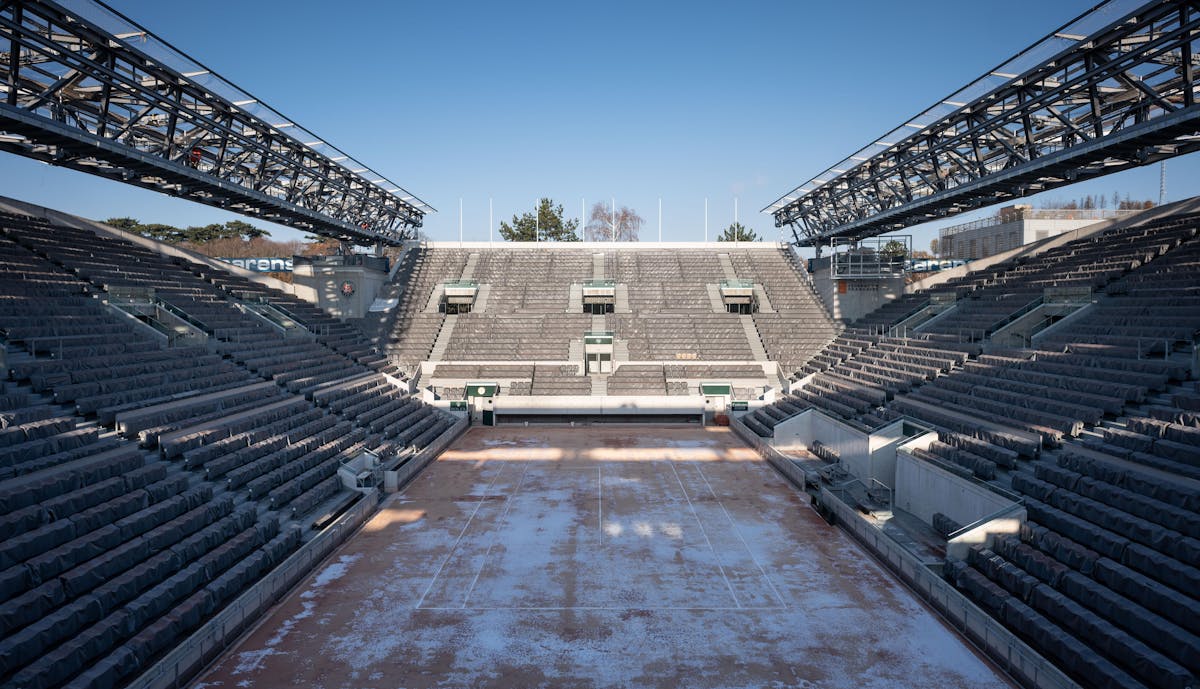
<point x="142" y="486"/>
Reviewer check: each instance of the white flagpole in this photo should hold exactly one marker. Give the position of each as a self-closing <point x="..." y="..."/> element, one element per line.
<point x="537" y="228"/>
<point x="614" y="219"/>
<point x="735" y="232"/>
<point x="460" y="229"/>
<point x="705" y="219"/>
<point x="489" y="220"/>
<point x="660" y="220"/>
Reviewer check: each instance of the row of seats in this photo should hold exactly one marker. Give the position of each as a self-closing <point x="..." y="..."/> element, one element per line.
<point x="112" y="553"/>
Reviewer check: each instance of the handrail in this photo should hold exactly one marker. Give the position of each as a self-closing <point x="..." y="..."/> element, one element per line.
<point x="176" y="311"/>
<point x="1003" y="511"/>
<point x="1015" y="315"/>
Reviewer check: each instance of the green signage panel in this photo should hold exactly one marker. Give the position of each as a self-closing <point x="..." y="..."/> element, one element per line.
<point x="482" y="389"/>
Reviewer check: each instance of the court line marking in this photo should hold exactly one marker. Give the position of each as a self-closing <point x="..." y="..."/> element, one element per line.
<point x="600" y="500"/>
<point x="495" y="534"/>
<point x="745" y="545"/>
<point x="602" y="608"/>
<point x="462" y="533"/>
<point x="695" y="514"/>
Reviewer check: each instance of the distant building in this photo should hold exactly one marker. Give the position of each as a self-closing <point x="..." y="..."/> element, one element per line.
<point x="1012" y="227"/>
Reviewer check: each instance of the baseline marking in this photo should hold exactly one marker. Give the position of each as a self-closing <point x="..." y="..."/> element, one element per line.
<point x="462" y="533"/>
<point x="496" y="534"/>
<point x="600" y="501"/>
<point x="716" y="557"/>
<point x="603" y="608"/>
<point x="745" y="545"/>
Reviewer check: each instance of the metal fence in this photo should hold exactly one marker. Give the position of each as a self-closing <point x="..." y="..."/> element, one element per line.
<point x="184" y="661"/>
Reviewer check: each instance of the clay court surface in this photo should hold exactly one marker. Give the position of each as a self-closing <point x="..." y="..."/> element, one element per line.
<point x="611" y="557"/>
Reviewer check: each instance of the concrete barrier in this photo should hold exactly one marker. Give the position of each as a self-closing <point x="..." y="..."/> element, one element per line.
<point x="396" y="479"/>
<point x="1002" y="646"/>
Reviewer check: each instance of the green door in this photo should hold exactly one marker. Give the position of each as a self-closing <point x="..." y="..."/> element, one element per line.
<point x="489" y="417"/>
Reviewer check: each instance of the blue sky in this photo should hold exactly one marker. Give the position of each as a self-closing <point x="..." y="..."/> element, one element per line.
<point x="633" y="100"/>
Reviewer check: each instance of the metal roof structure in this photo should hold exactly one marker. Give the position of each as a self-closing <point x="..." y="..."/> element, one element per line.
<point x="85" y="87"/>
<point x="1110" y="90"/>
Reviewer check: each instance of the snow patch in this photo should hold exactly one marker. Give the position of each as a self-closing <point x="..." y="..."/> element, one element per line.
<point x="330" y="574"/>
<point x="251" y="661"/>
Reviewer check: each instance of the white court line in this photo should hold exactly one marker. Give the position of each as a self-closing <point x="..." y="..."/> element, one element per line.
<point x="458" y="540"/>
<point x="496" y="535"/>
<point x="601" y="608"/>
<point x="740" y="538"/>
<point x="695" y="514"/>
<point x="600" y="500"/>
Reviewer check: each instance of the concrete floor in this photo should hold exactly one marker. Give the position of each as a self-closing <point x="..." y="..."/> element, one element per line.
<point x="600" y="557"/>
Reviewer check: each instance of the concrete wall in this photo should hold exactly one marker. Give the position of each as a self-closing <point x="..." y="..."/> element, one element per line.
<point x="598" y="406"/>
<point x="1009" y="651"/>
<point x="602" y="246"/>
<point x="860" y="296"/>
<point x="923" y="488"/>
<point x="325" y="281"/>
<point x="865" y="455"/>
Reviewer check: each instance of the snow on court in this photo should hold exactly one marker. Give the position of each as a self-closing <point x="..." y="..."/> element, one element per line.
<point x="617" y="557"/>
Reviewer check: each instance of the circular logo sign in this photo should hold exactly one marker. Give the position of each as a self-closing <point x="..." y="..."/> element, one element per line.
<point x="347" y="288"/>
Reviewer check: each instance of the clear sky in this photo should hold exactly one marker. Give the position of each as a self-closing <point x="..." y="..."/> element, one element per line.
<point x="639" y="101"/>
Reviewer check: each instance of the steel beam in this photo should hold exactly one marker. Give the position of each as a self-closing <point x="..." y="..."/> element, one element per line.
<point x="1111" y="90"/>
<point x="87" y="88"/>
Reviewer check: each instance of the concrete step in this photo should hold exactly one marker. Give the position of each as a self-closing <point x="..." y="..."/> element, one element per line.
<point x="443" y="338"/>
<point x="575" y="298"/>
<point x="599" y="385"/>
<point x="575" y="351"/>
<point x="764" y="302"/>
<point x="469" y="269"/>
<point x="435" y="300"/>
<point x="599" y="322"/>
<point x="481" y="299"/>
<point x="620" y="351"/>
<point x="727" y="266"/>
<point x="714" y="298"/>
<point x="621" y="300"/>
<point x="752" y="336"/>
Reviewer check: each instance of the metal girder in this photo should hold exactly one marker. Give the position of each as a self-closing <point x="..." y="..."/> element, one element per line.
<point x="1113" y="89"/>
<point x="84" y="87"/>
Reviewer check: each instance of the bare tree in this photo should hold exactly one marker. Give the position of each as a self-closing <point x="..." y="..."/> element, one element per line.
<point x="602" y="222"/>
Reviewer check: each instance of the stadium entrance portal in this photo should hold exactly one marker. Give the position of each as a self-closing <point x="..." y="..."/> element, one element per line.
<point x="599" y="363"/>
<point x="598" y="351"/>
<point x="599" y="296"/>
<point x="738" y="296"/>
<point x="459" y="296"/>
